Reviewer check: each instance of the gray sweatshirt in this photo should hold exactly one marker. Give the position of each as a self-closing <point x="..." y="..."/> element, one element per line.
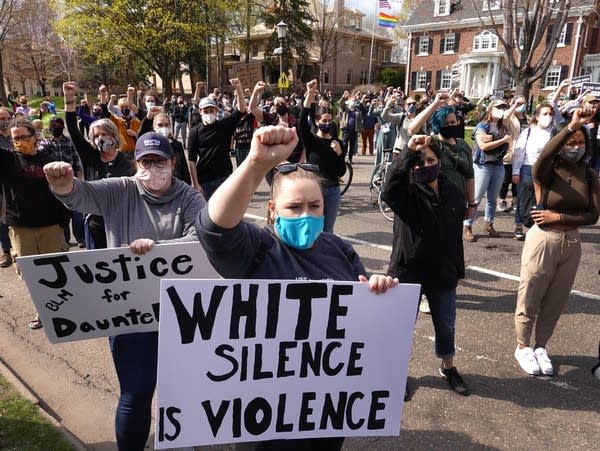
<point x="130" y="212"/>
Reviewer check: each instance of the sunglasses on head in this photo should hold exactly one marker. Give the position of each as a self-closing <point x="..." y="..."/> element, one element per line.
<point x="286" y="168"/>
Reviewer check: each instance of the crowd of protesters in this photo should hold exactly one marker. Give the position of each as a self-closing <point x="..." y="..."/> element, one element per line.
<point x="137" y="143"/>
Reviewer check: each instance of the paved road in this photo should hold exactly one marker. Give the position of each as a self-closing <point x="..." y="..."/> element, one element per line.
<point x="75" y="382"/>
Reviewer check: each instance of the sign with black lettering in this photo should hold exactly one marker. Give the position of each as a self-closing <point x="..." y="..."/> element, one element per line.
<point x="251" y="360"/>
<point x="579" y="81"/>
<point x="98" y="293"/>
<point x="594" y="89"/>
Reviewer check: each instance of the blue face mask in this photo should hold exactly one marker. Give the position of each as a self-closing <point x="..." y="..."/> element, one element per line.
<point x="299" y="232"/>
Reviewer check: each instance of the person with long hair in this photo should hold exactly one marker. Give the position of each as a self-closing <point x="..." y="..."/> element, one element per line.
<point x="568" y="195"/>
<point x="492" y="138"/>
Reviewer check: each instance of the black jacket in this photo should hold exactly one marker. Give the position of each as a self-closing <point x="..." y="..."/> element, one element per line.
<point x="427" y="247"/>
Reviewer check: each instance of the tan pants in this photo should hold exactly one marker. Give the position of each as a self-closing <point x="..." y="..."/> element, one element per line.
<point x="36" y="240"/>
<point x="548" y="266"/>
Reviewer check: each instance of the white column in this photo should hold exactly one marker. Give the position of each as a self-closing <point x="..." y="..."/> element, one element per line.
<point x="466" y="80"/>
<point x="488" y="79"/>
<point x="495" y="68"/>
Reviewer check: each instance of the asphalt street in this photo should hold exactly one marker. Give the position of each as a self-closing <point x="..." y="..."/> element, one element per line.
<point x="76" y="384"/>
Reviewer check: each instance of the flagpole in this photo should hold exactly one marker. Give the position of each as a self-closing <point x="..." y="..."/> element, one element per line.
<point x="372" y="43"/>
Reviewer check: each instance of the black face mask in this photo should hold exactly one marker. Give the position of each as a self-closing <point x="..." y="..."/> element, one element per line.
<point x="126" y="112"/>
<point x="326" y="128"/>
<point x="451" y="131"/>
<point x="282" y="110"/>
<point x="56" y="131"/>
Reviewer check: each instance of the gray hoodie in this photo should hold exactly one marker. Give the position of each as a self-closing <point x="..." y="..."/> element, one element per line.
<point x="130" y="212"/>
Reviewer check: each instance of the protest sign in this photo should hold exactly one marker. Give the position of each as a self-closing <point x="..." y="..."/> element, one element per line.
<point x="98" y="293"/>
<point x="248" y="360"/>
<point x="579" y="81"/>
<point x="594" y="88"/>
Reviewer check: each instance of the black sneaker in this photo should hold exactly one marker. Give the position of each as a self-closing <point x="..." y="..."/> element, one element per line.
<point x="519" y="235"/>
<point x="454" y="380"/>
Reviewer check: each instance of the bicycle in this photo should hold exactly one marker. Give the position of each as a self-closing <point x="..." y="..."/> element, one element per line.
<point x="346" y="179"/>
<point x="376" y="184"/>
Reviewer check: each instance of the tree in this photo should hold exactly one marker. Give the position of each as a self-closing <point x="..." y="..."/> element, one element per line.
<point x="297" y="16"/>
<point x="325" y="35"/>
<point x="8" y="9"/>
<point x="524" y="23"/>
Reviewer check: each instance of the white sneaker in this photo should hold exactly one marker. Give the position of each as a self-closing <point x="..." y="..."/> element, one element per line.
<point x="502" y="205"/>
<point x="527" y="360"/>
<point x="424" y="305"/>
<point x="544" y="361"/>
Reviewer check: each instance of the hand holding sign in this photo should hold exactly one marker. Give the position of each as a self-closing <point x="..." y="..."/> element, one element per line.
<point x="378" y="283"/>
<point x="60" y="177"/>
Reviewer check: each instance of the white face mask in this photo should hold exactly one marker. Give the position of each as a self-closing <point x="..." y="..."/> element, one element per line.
<point x="497" y="113"/>
<point x="165" y="131"/>
<point x="155" y="179"/>
<point x="105" y="144"/>
<point x="545" y="121"/>
<point x="209" y="118"/>
<point x="150" y="105"/>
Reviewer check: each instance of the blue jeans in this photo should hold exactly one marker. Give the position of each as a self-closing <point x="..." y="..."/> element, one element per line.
<point x="442" y="304"/>
<point x="349" y="143"/>
<point x="135" y="358"/>
<point x="526" y="178"/>
<point x="210" y="187"/>
<point x="4" y="239"/>
<point x="332" y="197"/>
<point x="488" y="181"/>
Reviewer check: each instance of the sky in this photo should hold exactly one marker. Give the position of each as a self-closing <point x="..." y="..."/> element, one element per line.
<point x="368" y="6"/>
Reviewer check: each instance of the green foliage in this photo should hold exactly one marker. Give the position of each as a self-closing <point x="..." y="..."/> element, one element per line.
<point x="392" y="77"/>
<point x="22" y="427"/>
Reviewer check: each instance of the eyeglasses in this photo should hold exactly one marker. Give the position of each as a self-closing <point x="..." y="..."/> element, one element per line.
<point x="410" y="103"/>
<point x="286" y="168"/>
<point x="145" y="163"/>
<point x="21" y="138"/>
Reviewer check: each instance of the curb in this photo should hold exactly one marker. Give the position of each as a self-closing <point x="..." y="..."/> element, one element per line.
<point x="14" y="380"/>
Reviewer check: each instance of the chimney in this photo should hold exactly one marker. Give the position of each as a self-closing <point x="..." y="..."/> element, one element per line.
<point x="338" y="12"/>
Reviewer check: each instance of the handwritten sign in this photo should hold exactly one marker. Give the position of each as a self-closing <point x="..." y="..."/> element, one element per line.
<point x="244" y="360"/>
<point x="98" y="293"/>
<point x="248" y="74"/>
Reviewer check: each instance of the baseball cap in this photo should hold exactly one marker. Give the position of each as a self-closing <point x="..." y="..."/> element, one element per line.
<point x="207" y="102"/>
<point x="497" y="103"/>
<point x="589" y="98"/>
<point x="152" y="143"/>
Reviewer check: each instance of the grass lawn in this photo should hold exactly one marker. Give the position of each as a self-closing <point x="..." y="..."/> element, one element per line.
<point x="22" y="427"/>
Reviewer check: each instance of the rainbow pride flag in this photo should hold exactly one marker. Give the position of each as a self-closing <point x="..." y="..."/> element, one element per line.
<point x="385" y="20"/>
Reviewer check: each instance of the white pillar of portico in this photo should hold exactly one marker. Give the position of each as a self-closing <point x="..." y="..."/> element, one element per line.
<point x="466" y="79"/>
<point x="488" y="78"/>
<point x="495" y="67"/>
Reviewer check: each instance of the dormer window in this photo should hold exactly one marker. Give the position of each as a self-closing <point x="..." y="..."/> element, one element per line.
<point x="490" y="5"/>
<point x="485" y="41"/>
<point x="441" y="8"/>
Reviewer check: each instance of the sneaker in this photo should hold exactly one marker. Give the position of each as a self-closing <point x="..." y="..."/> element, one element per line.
<point x="596" y="370"/>
<point x="527" y="360"/>
<point x="544" y="361"/>
<point x="5" y="260"/>
<point x="502" y="205"/>
<point x="424" y="305"/>
<point x="454" y="380"/>
<point x="489" y="229"/>
<point x="519" y="235"/>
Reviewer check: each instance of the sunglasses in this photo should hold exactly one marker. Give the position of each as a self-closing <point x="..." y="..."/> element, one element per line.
<point x="286" y="168"/>
<point x="145" y="163"/>
<point x="22" y="138"/>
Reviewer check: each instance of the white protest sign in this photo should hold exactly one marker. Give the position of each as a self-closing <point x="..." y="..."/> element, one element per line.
<point x="98" y="293"/>
<point x="248" y="360"/>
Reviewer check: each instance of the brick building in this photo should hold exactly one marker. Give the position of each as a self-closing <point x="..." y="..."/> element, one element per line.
<point x="449" y="47"/>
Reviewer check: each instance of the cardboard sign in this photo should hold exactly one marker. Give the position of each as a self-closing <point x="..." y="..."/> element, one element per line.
<point x="593" y="87"/>
<point x="98" y="293"/>
<point x="253" y="360"/>
<point x="248" y="74"/>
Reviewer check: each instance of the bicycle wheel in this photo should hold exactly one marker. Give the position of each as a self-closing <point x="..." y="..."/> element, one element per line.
<point x="347" y="180"/>
<point x="385" y="210"/>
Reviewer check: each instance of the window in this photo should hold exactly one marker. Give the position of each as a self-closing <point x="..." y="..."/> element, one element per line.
<point x="489" y="5"/>
<point x="363" y="49"/>
<point x="446" y="80"/>
<point x="441" y="8"/>
<point x="449" y="41"/>
<point x="521" y="37"/>
<point x="423" y="45"/>
<point x="485" y="40"/>
<point x="349" y="77"/>
<point x="254" y="50"/>
<point x="421" y="83"/>
<point x="326" y="76"/>
<point x="385" y="55"/>
<point x="552" y="77"/>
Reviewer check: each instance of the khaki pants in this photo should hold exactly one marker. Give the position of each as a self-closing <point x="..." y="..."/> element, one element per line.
<point x="548" y="266"/>
<point x="36" y="240"/>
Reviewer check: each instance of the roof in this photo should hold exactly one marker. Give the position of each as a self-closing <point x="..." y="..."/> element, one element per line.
<point x="463" y="14"/>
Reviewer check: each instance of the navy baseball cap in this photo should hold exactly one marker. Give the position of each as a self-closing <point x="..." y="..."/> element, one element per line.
<point x="152" y="143"/>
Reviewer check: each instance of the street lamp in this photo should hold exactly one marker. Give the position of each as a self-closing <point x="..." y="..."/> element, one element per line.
<point x="281" y="34"/>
